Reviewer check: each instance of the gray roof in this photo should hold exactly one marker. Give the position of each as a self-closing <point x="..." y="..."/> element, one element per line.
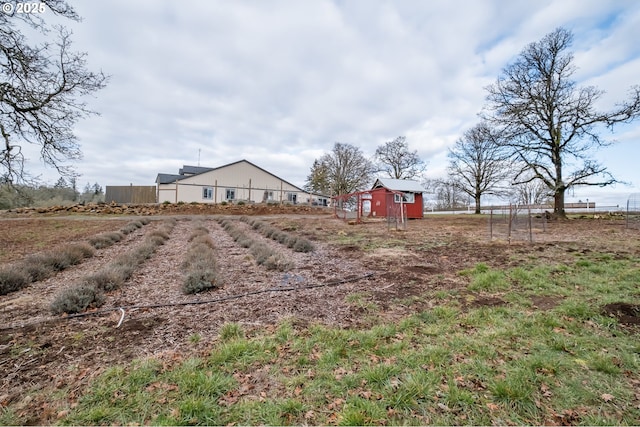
<point x="404" y="185"/>
<point x="193" y="170"/>
<point x="166" y="178"/>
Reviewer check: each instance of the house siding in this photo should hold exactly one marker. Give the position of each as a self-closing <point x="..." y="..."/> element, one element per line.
<point x="247" y="181"/>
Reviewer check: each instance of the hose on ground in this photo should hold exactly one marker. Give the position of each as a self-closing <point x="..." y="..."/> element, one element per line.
<point x="209" y="301"/>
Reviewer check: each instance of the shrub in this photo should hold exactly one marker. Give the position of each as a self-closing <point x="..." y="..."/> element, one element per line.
<point x="291" y="241"/>
<point x="126" y="264"/>
<point x="13" y="279"/>
<point x="200" y="280"/>
<point x="105" y="240"/>
<point x="162" y="233"/>
<point x="266" y="257"/>
<point x="227" y="226"/>
<point x="303" y="245"/>
<point x="171" y="222"/>
<point x="77" y="299"/>
<point x="36" y="267"/>
<point x="198" y="256"/>
<point x="67" y="256"/>
<point x="200" y="263"/>
<point x="131" y="227"/>
<point x="245" y="241"/>
<point x="281" y="237"/>
<point x="204" y="240"/>
<point x="298" y="244"/>
<point x="198" y="231"/>
<point x="82" y="250"/>
<point x="109" y="278"/>
<point x="155" y="241"/>
<point x="262" y="253"/>
<point x="144" y="251"/>
<point x="276" y="261"/>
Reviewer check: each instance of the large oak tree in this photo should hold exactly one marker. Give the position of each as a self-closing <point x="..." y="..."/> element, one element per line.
<point x="342" y="171"/>
<point x="43" y="90"/>
<point x="550" y="124"/>
<point x="396" y="160"/>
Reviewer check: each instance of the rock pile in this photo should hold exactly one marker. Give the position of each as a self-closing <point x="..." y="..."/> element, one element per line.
<point x="170" y="209"/>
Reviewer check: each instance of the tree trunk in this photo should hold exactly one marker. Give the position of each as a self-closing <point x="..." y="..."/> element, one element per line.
<point x="558" y="205"/>
<point x="477" y="204"/>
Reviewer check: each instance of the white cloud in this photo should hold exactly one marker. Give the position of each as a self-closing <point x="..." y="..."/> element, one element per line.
<point x="279" y="82"/>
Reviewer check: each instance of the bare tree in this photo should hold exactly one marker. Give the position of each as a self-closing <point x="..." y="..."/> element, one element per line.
<point x="395" y="159"/>
<point x="548" y="123"/>
<point x="478" y="164"/>
<point x="531" y="192"/>
<point x="448" y="195"/>
<point x="42" y="91"/>
<point x="342" y="171"/>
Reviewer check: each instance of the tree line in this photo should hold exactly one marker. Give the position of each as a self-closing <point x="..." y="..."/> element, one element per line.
<point x="63" y="192"/>
<point x="535" y="139"/>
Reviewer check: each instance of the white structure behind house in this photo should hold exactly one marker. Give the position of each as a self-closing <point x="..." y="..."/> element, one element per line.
<point x="234" y="182"/>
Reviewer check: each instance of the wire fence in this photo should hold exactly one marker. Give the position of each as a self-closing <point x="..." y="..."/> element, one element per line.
<point x="632" y="214"/>
<point x="348" y="207"/>
<point x="396" y="213"/>
<point x="517" y="222"/>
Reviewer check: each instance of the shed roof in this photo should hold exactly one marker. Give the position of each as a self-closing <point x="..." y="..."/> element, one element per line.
<point x="404" y="185"/>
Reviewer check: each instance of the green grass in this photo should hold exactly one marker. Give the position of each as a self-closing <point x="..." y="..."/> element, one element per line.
<point x="450" y="365"/>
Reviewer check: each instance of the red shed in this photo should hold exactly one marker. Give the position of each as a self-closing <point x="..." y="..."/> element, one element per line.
<point x="390" y="196"/>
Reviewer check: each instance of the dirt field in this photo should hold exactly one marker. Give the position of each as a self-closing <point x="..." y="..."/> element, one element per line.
<point x="398" y="270"/>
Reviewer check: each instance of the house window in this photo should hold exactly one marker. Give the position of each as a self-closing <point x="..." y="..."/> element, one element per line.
<point x="292" y="197"/>
<point x="406" y="198"/>
<point x="268" y="196"/>
<point x="207" y="193"/>
<point x="230" y="194"/>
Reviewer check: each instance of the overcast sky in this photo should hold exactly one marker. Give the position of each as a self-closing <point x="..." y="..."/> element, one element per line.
<point x="278" y="82"/>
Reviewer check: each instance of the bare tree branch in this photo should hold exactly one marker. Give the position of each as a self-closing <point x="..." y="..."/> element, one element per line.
<point x="43" y="92"/>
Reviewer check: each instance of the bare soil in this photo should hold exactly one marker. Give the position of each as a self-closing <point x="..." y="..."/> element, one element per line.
<point x="397" y="272"/>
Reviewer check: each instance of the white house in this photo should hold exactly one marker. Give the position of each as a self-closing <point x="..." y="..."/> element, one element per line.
<point x="234" y="182"/>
